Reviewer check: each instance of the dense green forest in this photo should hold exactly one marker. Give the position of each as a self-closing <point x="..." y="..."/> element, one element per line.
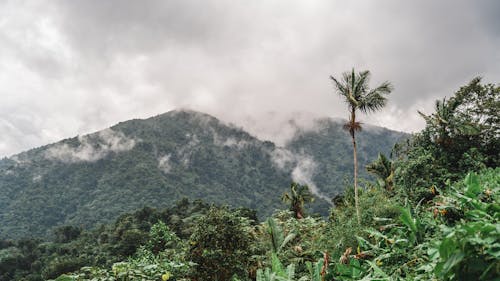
<point x="430" y="212"/>
<point x="87" y="180"/>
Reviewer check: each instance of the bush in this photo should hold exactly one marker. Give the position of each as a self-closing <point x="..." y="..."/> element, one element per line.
<point x="67" y="233"/>
<point x="425" y="244"/>
<point x="60" y="266"/>
<point x="130" y="242"/>
<point x="162" y="238"/>
<point x="343" y="227"/>
<point x="220" y="245"/>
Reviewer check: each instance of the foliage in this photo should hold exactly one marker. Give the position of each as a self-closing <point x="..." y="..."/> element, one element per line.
<point x="103" y="246"/>
<point x="162" y="257"/>
<point x="383" y="169"/>
<point x="298" y="196"/>
<point x="462" y="135"/>
<point x="277" y="272"/>
<point x="343" y="227"/>
<point x="471" y="247"/>
<point x="220" y="245"/>
<point x="149" y="270"/>
<point x="179" y="154"/>
<point x="162" y="238"/>
<point x="418" y="221"/>
<point x="456" y="238"/>
<point x="284" y="238"/>
<point x="278" y="239"/>
<point x="67" y="233"/>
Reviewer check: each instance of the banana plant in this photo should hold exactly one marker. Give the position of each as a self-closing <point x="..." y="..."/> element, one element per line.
<point x="315" y="270"/>
<point x="412" y="223"/>
<point x="278" y="272"/>
<point x="278" y="239"/>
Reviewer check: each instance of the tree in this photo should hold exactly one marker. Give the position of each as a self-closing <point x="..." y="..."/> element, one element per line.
<point x="461" y="135"/>
<point x="299" y="194"/>
<point x="66" y="233"/>
<point x="383" y="168"/>
<point x="467" y="120"/>
<point x="356" y="93"/>
<point x="220" y="245"/>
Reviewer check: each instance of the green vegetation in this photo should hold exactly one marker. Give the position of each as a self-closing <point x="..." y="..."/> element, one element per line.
<point x="463" y="134"/>
<point x="155" y="162"/>
<point x="298" y="196"/>
<point x="220" y="245"/>
<point x="440" y="224"/>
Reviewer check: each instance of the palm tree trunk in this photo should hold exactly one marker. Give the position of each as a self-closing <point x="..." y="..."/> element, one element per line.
<point x="356" y="198"/>
<point x="355" y="156"/>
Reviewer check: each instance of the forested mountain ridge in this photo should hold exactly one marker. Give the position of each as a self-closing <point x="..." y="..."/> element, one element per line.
<point x="155" y="162"/>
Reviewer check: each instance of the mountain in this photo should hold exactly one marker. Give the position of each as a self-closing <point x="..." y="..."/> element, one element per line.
<point x="92" y="179"/>
<point x="328" y="148"/>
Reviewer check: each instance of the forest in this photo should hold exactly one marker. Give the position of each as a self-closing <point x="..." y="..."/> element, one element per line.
<point x="430" y="211"/>
<point x="92" y="179"/>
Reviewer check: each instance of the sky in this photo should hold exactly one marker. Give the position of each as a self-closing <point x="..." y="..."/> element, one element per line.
<point x="70" y="68"/>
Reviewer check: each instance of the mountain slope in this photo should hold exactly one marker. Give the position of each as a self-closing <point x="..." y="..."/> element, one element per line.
<point x="330" y="147"/>
<point x="155" y="162"/>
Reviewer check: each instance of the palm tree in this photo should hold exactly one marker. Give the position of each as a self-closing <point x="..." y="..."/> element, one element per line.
<point x="299" y="194"/>
<point x="383" y="168"/>
<point x="439" y="121"/>
<point x="354" y="89"/>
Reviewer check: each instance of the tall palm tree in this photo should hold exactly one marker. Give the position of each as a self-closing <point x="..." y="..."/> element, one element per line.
<point x="354" y="89"/>
<point x="299" y="194"/>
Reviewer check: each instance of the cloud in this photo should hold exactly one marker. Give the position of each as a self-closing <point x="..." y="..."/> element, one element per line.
<point x="303" y="174"/>
<point x="91" y="148"/>
<point x="302" y="167"/>
<point x="231" y="142"/>
<point x="283" y="158"/>
<point x="37" y="178"/>
<point x="164" y="163"/>
<point x="72" y="67"/>
<point x="185" y="152"/>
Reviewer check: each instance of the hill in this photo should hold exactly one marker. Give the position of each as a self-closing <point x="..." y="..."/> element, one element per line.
<point x="94" y="178"/>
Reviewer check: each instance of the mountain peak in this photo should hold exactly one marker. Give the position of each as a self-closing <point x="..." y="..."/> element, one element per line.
<point x="90" y="179"/>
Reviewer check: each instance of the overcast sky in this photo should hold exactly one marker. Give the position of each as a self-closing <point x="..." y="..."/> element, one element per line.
<point x="74" y="67"/>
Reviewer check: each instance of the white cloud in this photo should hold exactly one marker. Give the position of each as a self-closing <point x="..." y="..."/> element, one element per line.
<point x="230" y="141"/>
<point x="37" y="178"/>
<point x="91" y="148"/>
<point x="185" y="152"/>
<point x="302" y="167"/>
<point x="164" y="163"/>
<point x="72" y="67"/>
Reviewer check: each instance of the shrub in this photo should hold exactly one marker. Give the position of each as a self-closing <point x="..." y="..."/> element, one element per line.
<point x="343" y="227"/>
<point x="220" y="245"/>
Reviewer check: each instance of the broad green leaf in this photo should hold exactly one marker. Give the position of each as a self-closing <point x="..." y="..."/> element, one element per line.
<point x="473" y="186"/>
<point x="276" y="265"/>
<point x="447" y="247"/>
<point x="451" y="261"/>
<point x="407" y="219"/>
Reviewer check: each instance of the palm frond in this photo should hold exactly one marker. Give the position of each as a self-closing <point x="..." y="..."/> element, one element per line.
<point x="361" y="84"/>
<point x="341" y="88"/>
<point x="380" y="167"/>
<point x="375" y="99"/>
<point x="352" y="81"/>
<point x="286" y="197"/>
<point x="427" y="118"/>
